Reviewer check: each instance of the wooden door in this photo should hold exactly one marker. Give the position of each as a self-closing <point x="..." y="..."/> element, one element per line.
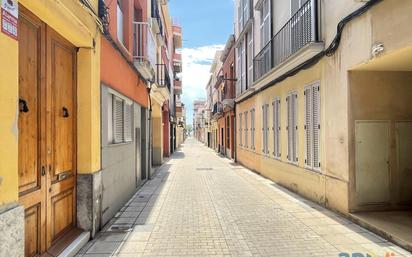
<point x="372" y="162"/>
<point x="31" y="126"/>
<point x="61" y="136"/>
<point x="47" y="133"/>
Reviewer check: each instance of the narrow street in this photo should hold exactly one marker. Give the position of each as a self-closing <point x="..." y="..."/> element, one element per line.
<point x="199" y="204"/>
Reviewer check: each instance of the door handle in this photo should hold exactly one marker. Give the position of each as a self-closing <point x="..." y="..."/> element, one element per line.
<point x="23" y="105"/>
<point x="65" y="112"/>
<point x="43" y="171"/>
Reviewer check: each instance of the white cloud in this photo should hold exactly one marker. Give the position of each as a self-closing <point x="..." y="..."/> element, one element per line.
<point x="195" y="75"/>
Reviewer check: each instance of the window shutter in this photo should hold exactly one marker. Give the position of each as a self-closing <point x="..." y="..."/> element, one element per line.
<point x="250" y="58"/>
<point x="246" y="130"/>
<point x="316" y="125"/>
<point x="118" y="120"/>
<point x="295" y="126"/>
<point x="289" y="126"/>
<point x="276" y="127"/>
<point x="128" y="122"/>
<point x="240" y="129"/>
<point x="308" y="127"/>
<point x="244" y="65"/>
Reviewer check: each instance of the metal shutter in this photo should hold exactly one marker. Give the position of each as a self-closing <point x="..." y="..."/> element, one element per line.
<point x="316" y="125"/>
<point x="308" y="127"/>
<point x="118" y="120"/>
<point x="128" y="122"/>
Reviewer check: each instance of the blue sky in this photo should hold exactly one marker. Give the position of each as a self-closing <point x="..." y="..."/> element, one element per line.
<point x="206" y="26"/>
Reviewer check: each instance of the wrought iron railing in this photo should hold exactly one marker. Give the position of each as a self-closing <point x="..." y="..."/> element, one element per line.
<point x="144" y="43"/>
<point x="217" y="108"/>
<point x="162" y="76"/>
<point x="299" y="31"/>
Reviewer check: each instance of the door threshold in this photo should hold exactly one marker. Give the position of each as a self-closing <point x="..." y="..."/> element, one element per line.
<point x="69" y="245"/>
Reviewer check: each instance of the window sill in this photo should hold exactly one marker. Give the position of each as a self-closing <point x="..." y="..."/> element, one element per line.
<point x="119" y="144"/>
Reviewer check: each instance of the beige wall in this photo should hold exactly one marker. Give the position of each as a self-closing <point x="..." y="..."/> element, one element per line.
<point x="379" y="95"/>
<point x="384" y="23"/>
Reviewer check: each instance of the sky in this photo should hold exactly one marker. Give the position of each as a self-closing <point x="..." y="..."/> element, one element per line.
<point x="206" y="26"/>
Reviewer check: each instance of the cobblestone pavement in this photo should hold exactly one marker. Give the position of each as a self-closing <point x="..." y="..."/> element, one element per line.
<point x="200" y="204"/>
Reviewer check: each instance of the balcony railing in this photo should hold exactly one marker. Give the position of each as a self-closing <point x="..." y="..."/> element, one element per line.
<point x="217" y="108"/>
<point x="156" y="15"/>
<point x="299" y="31"/>
<point x="162" y="76"/>
<point x="145" y="47"/>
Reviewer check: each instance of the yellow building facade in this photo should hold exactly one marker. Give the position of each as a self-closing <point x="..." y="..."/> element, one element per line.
<point x="64" y="23"/>
<point x="365" y="127"/>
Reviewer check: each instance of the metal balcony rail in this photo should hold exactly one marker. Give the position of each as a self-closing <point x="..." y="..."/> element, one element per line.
<point x="299" y="31"/>
<point x="162" y="76"/>
<point x="144" y="43"/>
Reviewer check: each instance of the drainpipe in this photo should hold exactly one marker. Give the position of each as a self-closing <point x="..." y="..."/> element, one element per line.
<point x="234" y="135"/>
<point x="150" y="133"/>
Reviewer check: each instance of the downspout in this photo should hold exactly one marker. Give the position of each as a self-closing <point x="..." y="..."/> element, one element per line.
<point x="149" y="88"/>
<point x="234" y="134"/>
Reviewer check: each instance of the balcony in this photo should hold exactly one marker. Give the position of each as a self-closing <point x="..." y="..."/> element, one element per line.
<point x="178" y="87"/>
<point x="177" y="62"/>
<point x="156" y="20"/>
<point x="177" y="36"/>
<point x="144" y="52"/>
<point x="296" y="41"/>
<point x="217" y="111"/>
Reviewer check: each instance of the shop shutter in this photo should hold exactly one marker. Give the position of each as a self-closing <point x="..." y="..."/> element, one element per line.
<point x="308" y="127"/>
<point x="316" y="126"/>
<point x="128" y="122"/>
<point x="118" y="120"/>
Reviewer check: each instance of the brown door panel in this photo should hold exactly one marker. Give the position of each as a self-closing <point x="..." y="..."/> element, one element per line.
<point x="61" y="139"/>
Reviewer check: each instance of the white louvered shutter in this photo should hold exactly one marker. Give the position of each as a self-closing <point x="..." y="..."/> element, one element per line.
<point x="308" y="127"/>
<point x="295" y="126"/>
<point x="289" y="126"/>
<point x="246" y="130"/>
<point x="244" y="65"/>
<point x="252" y="129"/>
<point x="128" y="122"/>
<point x="276" y="127"/>
<point x="118" y="120"/>
<point x="238" y="71"/>
<point x="267" y="128"/>
<point x="316" y="125"/>
<point x="240" y="129"/>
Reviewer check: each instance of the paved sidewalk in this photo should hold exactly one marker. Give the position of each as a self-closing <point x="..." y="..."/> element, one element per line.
<point x="200" y="204"/>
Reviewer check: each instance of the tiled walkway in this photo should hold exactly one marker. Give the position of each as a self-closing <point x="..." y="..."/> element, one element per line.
<point x="200" y="204"/>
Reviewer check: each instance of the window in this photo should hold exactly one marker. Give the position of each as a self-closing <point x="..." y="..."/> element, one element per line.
<point x="246" y="130"/>
<point x="292" y="127"/>
<point x="250" y="59"/>
<point x="312" y="126"/>
<point x="252" y="129"/>
<point x="265" y="22"/>
<point x="243" y="66"/>
<point x="276" y="127"/>
<point x="295" y="5"/>
<point x="238" y="70"/>
<point x="265" y="128"/>
<point x="240" y="130"/>
<point x="120" y="36"/>
<point x="120" y="120"/>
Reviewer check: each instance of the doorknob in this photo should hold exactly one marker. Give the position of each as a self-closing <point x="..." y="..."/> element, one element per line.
<point x="23" y="105"/>
<point x="65" y="112"/>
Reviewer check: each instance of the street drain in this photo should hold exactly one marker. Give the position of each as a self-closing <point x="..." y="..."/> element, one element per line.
<point x="120" y="228"/>
<point x="203" y="169"/>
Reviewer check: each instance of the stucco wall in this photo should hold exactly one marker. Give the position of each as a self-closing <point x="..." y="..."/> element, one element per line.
<point x="119" y="171"/>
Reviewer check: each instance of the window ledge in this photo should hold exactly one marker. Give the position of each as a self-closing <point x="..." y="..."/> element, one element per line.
<point x="119" y="144"/>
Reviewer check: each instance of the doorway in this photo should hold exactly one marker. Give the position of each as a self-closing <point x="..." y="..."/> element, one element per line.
<point x="143" y="145"/>
<point x="47" y="133"/>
